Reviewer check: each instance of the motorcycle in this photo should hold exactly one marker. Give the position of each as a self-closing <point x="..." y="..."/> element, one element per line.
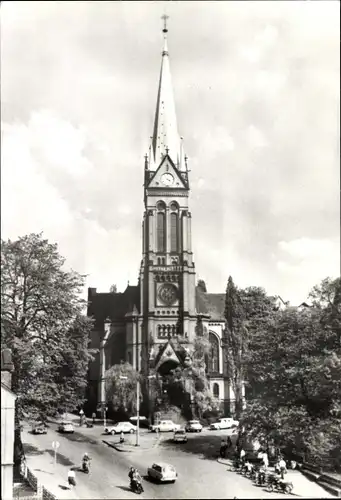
<point x="261" y="477"/>
<point x="86" y="466"/>
<point x="277" y="484"/>
<point x="136" y="486"/>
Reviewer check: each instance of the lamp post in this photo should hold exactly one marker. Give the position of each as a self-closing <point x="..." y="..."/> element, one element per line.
<point x="123" y="377"/>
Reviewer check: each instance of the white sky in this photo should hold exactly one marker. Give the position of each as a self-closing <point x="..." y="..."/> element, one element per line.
<point x="257" y="94"/>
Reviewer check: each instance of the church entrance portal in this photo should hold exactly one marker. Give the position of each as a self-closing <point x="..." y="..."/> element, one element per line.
<point x="173" y="393"/>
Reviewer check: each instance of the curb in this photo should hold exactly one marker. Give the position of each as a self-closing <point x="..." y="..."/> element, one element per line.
<point x="224" y="461"/>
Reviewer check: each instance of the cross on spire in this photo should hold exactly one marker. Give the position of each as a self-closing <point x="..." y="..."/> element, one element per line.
<point x="165" y="17"/>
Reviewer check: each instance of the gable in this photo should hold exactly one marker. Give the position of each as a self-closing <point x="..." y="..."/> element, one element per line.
<point x="168" y="176"/>
<point x="166" y="354"/>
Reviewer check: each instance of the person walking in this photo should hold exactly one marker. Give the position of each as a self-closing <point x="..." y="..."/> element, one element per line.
<point x="71" y="478"/>
<point x="81" y="417"/>
<point x="265" y="460"/>
<point x="223" y="447"/>
<point x="242" y="456"/>
<point x="282" y="467"/>
<point x="93" y="418"/>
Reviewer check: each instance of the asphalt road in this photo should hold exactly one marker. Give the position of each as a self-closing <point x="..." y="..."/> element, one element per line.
<point x="200" y="475"/>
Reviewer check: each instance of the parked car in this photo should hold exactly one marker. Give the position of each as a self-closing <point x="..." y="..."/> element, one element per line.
<point x="66" y="427"/>
<point x="193" y="426"/>
<point x="180" y="436"/>
<point x="39" y="428"/>
<point x="224" y="423"/>
<point x="162" y="472"/>
<point x="165" y="426"/>
<point x="125" y="427"/>
<point x="143" y="421"/>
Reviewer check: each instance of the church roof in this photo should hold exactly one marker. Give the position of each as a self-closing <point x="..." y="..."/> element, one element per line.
<point x="165" y="137"/>
<point x="212" y="304"/>
<point x="112" y="305"/>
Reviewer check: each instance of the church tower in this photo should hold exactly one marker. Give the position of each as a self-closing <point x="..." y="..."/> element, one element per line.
<point x="167" y="273"/>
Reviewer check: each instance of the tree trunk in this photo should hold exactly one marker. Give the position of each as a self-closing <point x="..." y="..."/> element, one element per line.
<point x="239" y="397"/>
<point x="18" y="452"/>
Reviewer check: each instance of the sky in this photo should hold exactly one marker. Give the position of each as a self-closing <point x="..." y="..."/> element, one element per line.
<point x="256" y="88"/>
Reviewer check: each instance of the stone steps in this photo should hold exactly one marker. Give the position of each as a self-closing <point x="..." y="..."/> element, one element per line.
<point x="330" y="483"/>
<point x="334" y="490"/>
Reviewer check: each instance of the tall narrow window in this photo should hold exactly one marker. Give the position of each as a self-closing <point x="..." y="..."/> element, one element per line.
<point x="174" y="232"/>
<point x="213" y="365"/>
<point x="161" y="232"/>
<point x="216" y="390"/>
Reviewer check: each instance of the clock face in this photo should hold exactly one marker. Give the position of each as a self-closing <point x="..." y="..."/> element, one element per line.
<point x="168" y="294"/>
<point x="167" y="179"/>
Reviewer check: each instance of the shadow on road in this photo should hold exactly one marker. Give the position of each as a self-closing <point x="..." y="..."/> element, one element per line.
<point x="80" y="438"/>
<point x="30" y="449"/>
<point x="148" y="479"/>
<point x="62" y="487"/>
<point x="124" y="488"/>
<point x="207" y="446"/>
<point x="45" y="471"/>
<point x="61" y="459"/>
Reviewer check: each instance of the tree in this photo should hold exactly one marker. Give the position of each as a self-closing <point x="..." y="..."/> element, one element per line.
<point x="235" y="340"/>
<point x="202" y="285"/>
<point x="296" y="370"/>
<point x="42" y="322"/>
<point x="113" y="289"/>
<point x="121" y="386"/>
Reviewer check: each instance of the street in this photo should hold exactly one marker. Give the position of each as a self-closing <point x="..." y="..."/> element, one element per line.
<point x="200" y="475"/>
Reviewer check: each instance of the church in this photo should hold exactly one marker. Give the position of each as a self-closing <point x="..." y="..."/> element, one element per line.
<point x="140" y="325"/>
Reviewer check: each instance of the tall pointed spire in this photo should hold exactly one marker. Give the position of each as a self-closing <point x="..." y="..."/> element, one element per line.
<point x="165" y="134"/>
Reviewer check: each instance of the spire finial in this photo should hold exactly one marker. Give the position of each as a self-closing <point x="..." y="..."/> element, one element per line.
<point x="165" y="17"/>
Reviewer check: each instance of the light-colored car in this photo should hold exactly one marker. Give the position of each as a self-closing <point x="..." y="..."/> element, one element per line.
<point x="165" y="426"/>
<point x="193" y="426"/>
<point x="39" y="428"/>
<point x="180" y="436"/>
<point x="125" y="427"/>
<point x="224" y="423"/>
<point x="162" y="472"/>
<point x="66" y="427"/>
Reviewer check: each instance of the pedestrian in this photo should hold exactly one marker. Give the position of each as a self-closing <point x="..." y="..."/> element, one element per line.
<point x="229" y="442"/>
<point x="265" y="460"/>
<point x="242" y="456"/>
<point x="223" y="447"/>
<point x="93" y="418"/>
<point x="282" y="467"/>
<point x="81" y="417"/>
<point x="293" y="464"/>
<point x="122" y="438"/>
<point x="71" y="477"/>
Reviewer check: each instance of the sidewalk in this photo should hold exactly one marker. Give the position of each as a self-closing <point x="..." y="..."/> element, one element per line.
<point x="303" y="487"/>
<point x="41" y="464"/>
<point x="147" y="442"/>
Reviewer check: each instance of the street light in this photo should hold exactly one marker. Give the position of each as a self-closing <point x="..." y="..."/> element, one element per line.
<point x="123" y="377"/>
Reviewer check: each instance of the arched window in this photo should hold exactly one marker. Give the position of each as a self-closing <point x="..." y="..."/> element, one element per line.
<point x="161" y="232"/>
<point x="216" y="390"/>
<point x="174" y="232"/>
<point x="213" y="360"/>
<point x="161" y="226"/>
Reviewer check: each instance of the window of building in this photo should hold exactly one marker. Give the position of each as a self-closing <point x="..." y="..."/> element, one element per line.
<point x="161" y="236"/>
<point x="216" y="390"/>
<point x="174" y="232"/>
<point x="213" y="359"/>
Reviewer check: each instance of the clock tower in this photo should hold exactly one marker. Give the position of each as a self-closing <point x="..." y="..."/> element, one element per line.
<point x="167" y="273"/>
